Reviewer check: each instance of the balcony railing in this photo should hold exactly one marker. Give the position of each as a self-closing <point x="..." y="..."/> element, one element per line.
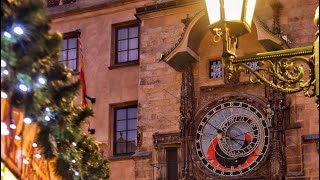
<point x="53" y="3"/>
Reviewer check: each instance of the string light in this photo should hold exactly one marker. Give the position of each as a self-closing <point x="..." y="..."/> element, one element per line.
<point x="42" y="80"/>
<point x="18" y="30"/>
<point x="17" y="137"/>
<point x="27" y="120"/>
<point x="3" y="63"/>
<point x="34" y="145"/>
<point x="47" y="118"/>
<point x="37" y="155"/>
<point x="4" y="129"/>
<point x="4" y="95"/>
<point x="6" y="34"/>
<point x="47" y="109"/>
<point x="13" y="126"/>
<point x="76" y="173"/>
<point x="23" y="87"/>
<point x="74" y="144"/>
<point x="25" y="161"/>
<point x="73" y="161"/>
<point x="5" y="72"/>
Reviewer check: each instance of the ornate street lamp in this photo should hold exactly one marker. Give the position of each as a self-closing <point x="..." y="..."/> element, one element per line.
<point x="282" y="70"/>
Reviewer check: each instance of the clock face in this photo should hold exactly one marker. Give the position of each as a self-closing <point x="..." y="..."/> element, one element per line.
<point x="232" y="138"/>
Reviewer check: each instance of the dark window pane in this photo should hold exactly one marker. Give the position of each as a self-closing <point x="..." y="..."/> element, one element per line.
<point x="123" y="33"/>
<point x="133" y="32"/>
<point x="72" y="43"/>
<point x="123" y="56"/>
<point x="120" y="148"/>
<point x="132" y="124"/>
<point x="131" y="146"/>
<point x="133" y="43"/>
<point x="62" y="55"/>
<point x="64" y="44"/>
<point x="121" y="114"/>
<point x="72" y="53"/>
<point x="122" y="45"/>
<point x="132" y="135"/>
<point x="121" y="137"/>
<point x="132" y="113"/>
<point x="215" y="69"/>
<point x="133" y="55"/>
<point x="121" y="125"/>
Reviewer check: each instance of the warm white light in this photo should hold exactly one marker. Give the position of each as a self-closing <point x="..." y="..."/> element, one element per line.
<point x="213" y="8"/>
<point x="13" y="126"/>
<point x="4" y="95"/>
<point x="73" y="161"/>
<point x="3" y="63"/>
<point x="5" y="72"/>
<point x="18" y="30"/>
<point x="6" y="34"/>
<point x="4" y="129"/>
<point x="27" y="120"/>
<point x="250" y="10"/>
<point x="233" y="9"/>
<point x="47" y="118"/>
<point x="34" y="145"/>
<point x="25" y="161"/>
<point x="74" y="144"/>
<point x="17" y="137"/>
<point x="76" y="173"/>
<point x="37" y="156"/>
<point x="42" y="80"/>
<point x="23" y="87"/>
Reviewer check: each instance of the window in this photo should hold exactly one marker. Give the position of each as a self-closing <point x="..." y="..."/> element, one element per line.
<point x="127" y="44"/>
<point x="215" y="69"/>
<point x="125" y="130"/>
<point x="172" y="163"/>
<point x="69" y="50"/>
<point x="254" y="65"/>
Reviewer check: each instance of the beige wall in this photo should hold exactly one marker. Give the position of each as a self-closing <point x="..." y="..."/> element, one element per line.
<point x="156" y="86"/>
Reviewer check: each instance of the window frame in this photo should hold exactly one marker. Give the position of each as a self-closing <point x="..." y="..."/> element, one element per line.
<point x="73" y="34"/>
<point x="126" y="130"/>
<point x="210" y="61"/>
<point x="114" y="44"/>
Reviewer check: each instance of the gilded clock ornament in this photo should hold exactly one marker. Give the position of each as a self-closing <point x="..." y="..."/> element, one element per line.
<point x="232" y="138"/>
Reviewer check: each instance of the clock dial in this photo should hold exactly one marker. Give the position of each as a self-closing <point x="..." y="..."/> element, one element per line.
<point x="232" y="138"/>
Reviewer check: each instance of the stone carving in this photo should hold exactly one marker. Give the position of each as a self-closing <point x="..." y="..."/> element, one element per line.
<point x="167" y="138"/>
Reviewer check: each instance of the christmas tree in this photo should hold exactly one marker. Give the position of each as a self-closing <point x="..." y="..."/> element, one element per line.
<point x="34" y="81"/>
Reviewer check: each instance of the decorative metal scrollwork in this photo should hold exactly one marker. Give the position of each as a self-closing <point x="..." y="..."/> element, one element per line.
<point x="284" y="72"/>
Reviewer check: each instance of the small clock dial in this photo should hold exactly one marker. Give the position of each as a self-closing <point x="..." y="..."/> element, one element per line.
<point x="232" y="138"/>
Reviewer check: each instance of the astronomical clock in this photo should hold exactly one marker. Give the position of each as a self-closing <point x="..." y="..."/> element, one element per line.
<point x="232" y="139"/>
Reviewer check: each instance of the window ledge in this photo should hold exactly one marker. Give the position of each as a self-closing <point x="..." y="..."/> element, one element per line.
<point x="120" y="157"/>
<point x="120" y="65"/>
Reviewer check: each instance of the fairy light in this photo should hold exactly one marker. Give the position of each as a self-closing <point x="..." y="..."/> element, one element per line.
<point x="34" y="145"/>
<point x="76" y="173"/>
<point x="27" y="120"/>
<point x="5" y="72"/>
<point x="37" y="155"/>
<point x="47" y="118"/>
<point x="25" y="161"/>
<point x="6" y="34"/>
<point x="4" y="129"/>
<point x="73" y="161"/>
<point x="18" y="30"/>
<point x="3" y="63"/>
<point x="47" y="109"/>
<point x="4" y="95"/>
<point x="17" y="137"/>
<point x="23" y="87"/>
<point x="74" y="144"/>
<point x="42" y="80"/>
<point x="13" y="126"/>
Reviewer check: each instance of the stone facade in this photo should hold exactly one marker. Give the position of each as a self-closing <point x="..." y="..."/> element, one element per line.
<point x="157" y="87"/>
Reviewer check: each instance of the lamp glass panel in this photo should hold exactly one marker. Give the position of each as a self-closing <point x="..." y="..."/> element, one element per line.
<point x="250" y="10"/>
<point x="233" y="9"/>
<point x="213" y="8"/>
